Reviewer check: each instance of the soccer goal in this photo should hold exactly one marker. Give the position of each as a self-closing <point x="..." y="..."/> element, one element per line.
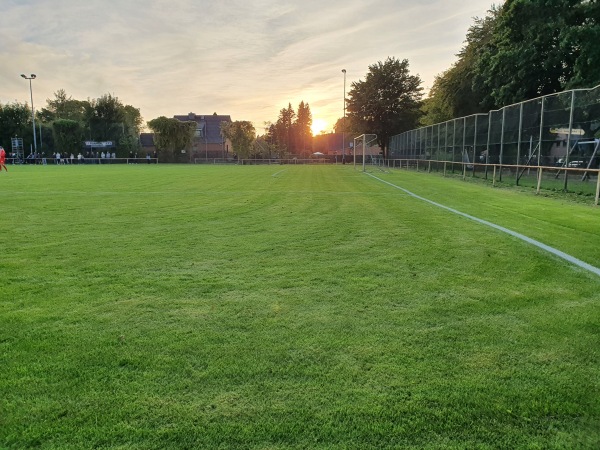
<point x="364" y="140"/>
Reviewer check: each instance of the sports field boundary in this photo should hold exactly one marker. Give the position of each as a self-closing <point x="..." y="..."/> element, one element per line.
<point x="547" y="248"/>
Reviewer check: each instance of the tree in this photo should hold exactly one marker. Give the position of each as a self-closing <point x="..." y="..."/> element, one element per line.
<point x="15" y="120"/>
<point x="132" y="126"/>
<point x="171" y="136"/>
<point x="242" y="134"/>
<point x="64" y="107"/>
<point x="453" y="93"/>
<point x="301" y="129"/>
<point x="270" y="138"/>
<point x="387" y="102"/>
<point x="539" y="47"/>
<point x="68" y="135"/>
<point x="107" y="118"/>
<point x="283" y="131"/>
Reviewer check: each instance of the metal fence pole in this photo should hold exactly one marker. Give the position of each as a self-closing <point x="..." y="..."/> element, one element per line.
<point x="463" y="142"/>
<point x="487" y="147"/>
<point x="502" y="142"/>
<point x="453" y="143"/>
<point x="446" y="143"/>
<point x="597" y="187"/>
<point x="438" y="146"/>
<point x="569" y="139"/>
<point x="541" y="133"/>
<point x="519" y="143"/>
<point x="474" y="144"/>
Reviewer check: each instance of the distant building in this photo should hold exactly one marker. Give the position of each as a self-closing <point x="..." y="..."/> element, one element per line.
<point x="147" y="143"/>
<point x="208" y="142"/>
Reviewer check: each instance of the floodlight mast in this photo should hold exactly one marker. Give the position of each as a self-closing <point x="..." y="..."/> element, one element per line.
<point x="32" y="77"/>
<point x="344" y="122"/>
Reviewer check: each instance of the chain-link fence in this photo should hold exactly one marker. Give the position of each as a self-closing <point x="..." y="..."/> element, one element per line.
<point x="559" y="132"/>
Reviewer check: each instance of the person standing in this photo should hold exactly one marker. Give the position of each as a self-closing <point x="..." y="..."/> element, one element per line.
<point x="2" y="159"/>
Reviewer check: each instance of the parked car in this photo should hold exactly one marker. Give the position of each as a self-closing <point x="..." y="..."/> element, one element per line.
<point x="576" y="164"/>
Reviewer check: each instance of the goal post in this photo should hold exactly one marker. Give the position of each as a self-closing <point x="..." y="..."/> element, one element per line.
<point x="363" y="138"/>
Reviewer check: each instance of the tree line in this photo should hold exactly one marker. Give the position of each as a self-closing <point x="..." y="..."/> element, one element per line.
<point x="65" y="123"/>
<point x="520" y="50"/>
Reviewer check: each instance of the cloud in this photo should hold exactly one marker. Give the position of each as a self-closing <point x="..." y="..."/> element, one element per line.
<point x="243" y="58"/>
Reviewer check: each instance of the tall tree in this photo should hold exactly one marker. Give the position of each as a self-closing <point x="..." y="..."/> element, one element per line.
<point x="453" y="93"/>
<point x="302" y="129"/>
<point x="242" y="134"/>
<point x="540" y="47"/>
<point x="68" y="135"/>
<point x="171" y="136"/>
<point x="107" y="118"/>
<point x="284" y="133"/>
<point x="387" y="102"/>
<point x="63" y="106"/>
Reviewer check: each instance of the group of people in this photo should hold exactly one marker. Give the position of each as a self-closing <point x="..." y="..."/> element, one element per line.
<point x="66" y="158"/>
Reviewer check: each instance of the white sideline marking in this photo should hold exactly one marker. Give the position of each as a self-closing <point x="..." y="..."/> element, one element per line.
<point x="538" y="244"/>
<point x="277" y="173"/>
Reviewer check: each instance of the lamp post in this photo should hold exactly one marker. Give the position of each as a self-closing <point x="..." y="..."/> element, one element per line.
<point x="344" y="122"/>
<point x="32" y="77"/>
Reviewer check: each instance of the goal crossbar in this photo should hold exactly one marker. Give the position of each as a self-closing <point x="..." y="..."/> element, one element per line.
<point x="363" y="138"/>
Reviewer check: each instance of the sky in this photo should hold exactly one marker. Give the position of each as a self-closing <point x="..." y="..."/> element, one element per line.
<point x="243" y="58"/>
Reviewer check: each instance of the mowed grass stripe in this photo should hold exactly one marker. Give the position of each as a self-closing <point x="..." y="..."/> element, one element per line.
<point x="570" y="227"/>
<point x="315" y="309"/>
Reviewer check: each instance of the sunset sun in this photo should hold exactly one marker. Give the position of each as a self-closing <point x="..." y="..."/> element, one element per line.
<point x="317" y="126"/>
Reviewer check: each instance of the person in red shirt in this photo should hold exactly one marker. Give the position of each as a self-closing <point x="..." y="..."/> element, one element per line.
<point x="2" y="159"/>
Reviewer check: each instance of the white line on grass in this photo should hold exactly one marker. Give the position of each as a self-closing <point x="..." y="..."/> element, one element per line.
<point x="538" y="244"/>
<point x="277" y="173"/>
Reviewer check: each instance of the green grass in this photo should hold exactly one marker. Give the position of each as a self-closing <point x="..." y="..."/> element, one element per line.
<point x="156" y="307"/>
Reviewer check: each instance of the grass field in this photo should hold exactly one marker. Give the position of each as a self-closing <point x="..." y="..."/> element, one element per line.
<point x="158" y="307"/>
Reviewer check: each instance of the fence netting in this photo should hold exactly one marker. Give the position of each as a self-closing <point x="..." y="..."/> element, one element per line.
<point x="558" y="132"/>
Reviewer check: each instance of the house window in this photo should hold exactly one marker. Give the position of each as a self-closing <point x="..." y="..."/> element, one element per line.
<point x="200" y="130"/>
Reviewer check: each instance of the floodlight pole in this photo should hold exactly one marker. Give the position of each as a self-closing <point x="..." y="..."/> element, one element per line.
<point x="344" y="122"/>
<point x="32" y="77"/>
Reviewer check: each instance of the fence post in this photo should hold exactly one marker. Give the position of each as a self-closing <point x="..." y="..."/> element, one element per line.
<point x="539" y="159"/>
<point x="487" y="146"/>
<point x="453" y="142"/>
<point x="519" y="142"/>
<point x="464" y="138"/>
<point x="597" y="187"/>
<point x="502" y="142"/>
<point x="474" y="145"/>
<point x="445" y="162"/>
<point x="539" y="181"/>
<point x="569" y="139"/>
<point x="437" y="155"/>
<point x="494" y="176"/>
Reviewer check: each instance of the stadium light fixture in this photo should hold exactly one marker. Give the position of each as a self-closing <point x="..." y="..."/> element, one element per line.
<point x="344" y="122"/>
<point x="32" y="77"/>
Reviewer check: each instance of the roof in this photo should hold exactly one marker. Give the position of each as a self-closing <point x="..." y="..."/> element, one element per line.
<point x="209" y="126"/>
